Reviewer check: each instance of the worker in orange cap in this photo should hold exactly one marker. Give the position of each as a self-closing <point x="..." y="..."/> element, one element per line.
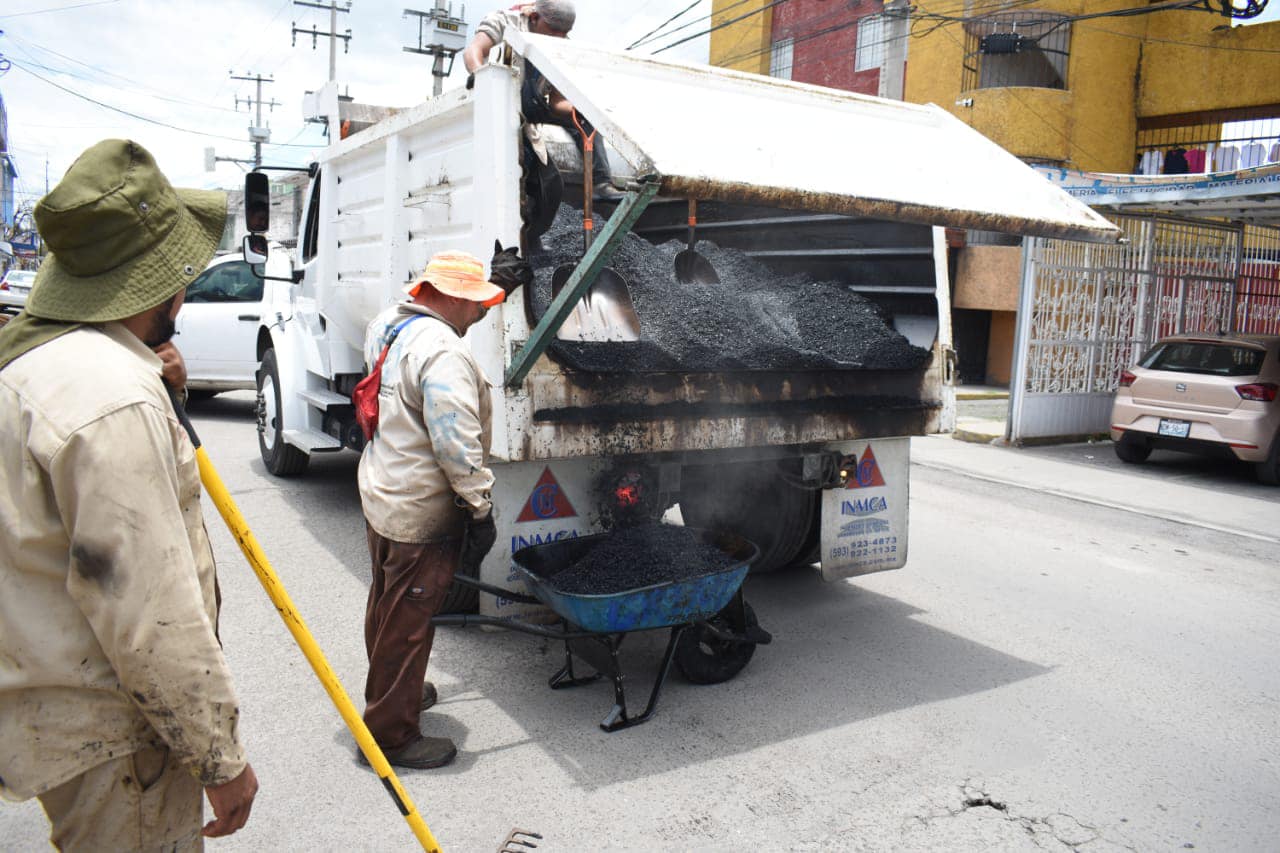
<point x="424" y="485"/>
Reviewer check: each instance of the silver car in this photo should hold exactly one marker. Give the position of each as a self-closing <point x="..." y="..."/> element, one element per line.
<point x="14" y="288"/>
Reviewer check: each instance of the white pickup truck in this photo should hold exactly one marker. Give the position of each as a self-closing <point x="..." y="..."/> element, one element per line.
<point x="809" y="463"/>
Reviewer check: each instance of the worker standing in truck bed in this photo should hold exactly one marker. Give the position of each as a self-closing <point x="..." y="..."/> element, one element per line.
<point x="540" y="103"/>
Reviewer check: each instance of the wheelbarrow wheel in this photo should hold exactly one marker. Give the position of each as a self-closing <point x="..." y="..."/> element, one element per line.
<point x="704" y="658"/>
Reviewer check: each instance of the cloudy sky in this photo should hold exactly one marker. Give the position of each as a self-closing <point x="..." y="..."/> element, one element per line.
<point x="169" y="62"/>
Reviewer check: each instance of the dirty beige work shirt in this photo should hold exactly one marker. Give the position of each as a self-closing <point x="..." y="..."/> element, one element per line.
<point x="107" y="600"/>
<point x="433" y="435"/>
<point x="495" y="24"/>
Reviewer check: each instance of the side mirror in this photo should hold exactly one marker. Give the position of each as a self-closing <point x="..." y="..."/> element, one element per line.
<point x="257" y="203"/>
<point x="255" y="248"/>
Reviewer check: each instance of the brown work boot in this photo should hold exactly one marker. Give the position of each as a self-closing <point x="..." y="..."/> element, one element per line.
<point x="429" y="696"/>
<point x="421" y="753"/>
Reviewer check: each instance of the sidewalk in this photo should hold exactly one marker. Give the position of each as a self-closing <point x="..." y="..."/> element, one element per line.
<point x="981" y="413"/>
<point x="1243" y="509"/>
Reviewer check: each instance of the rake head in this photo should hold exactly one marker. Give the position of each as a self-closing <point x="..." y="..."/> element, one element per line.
<point x="519" y="841"/>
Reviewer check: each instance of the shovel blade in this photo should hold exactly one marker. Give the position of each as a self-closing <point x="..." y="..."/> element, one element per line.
<point x="604" y="313"/>
<point x="693" y="268"/>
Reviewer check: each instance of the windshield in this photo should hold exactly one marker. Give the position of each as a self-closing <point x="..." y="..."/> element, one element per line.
<point x="1212" y="359"/>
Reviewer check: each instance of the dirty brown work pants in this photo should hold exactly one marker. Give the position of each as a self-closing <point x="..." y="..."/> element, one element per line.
<point x="138" y="802"/>
<point x="409" y="585"/>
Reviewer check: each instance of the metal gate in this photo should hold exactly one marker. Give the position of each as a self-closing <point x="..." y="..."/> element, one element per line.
<point x="1088" y="311"/>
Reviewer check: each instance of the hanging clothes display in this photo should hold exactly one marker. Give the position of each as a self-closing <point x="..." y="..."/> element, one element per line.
<point x="1274" y="157"/>
<point x="1196" y="161"/>
<point x="1151" y="163"/>
<point x="1252" y="155"/>
<point x="1175" y="161"/>
<point x="1226" y="159"/>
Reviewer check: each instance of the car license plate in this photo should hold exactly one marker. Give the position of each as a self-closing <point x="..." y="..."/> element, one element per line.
<point x="1177" y="429"/>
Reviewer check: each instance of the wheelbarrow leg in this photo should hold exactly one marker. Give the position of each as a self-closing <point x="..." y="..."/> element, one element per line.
<point x="617" y="718"/>
<point x="565" y="677"/>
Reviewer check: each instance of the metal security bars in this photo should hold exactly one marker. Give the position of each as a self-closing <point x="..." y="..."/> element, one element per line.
<point x="1088" y="311"/>
<point x="1017" y="49"/>
<point x="1258" y="292"/>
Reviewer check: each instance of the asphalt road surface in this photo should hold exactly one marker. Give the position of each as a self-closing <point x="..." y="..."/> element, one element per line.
<point x="1045" y="674"/>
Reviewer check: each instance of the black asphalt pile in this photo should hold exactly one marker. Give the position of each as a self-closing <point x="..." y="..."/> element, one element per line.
<point x="755" y="319"/>
<point x="636" y="557"/>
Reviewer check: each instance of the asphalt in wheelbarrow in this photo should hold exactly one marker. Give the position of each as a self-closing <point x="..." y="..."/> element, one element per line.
<point x="637" y="557"/>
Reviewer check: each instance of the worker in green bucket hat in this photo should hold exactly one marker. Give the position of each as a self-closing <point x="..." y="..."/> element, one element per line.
<point x="117" y="707"/>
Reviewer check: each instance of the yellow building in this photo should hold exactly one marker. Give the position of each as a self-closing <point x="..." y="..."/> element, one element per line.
<point x="1068" y="83"/>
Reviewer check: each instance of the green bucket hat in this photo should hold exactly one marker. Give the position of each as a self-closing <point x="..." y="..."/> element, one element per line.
<point x="122" y="239"/>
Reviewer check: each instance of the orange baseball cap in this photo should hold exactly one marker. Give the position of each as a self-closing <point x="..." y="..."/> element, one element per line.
<point x="459" y="274"/>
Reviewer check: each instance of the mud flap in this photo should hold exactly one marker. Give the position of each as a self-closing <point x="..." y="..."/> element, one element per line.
<point x="864" y="524"/>
<point x="535" y="502"/>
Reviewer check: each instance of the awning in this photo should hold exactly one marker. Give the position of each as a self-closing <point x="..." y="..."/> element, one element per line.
<point x="712" y="133"/>
<point x="1247" y="195"/>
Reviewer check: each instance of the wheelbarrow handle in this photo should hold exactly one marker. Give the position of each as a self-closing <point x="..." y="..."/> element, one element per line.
<point x="498" y="591"/>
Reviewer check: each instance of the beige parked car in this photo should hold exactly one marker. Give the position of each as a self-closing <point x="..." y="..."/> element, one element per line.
<point x="1199" y="394"/>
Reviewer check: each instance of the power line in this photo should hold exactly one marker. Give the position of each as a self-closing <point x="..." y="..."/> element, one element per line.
<point x="719" y="26"/>
<point x="31" y="63"/>
<point x="142" y="118"/>
<point x="674" y="17"/>
<point x="690" y="23"/>
<point x="58" y="9"/>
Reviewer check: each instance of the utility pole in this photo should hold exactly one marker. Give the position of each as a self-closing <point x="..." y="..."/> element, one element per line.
<point x="895" y="32"/>
<point x="333" y="35"/>
<point x="446" y="37"/>
<point x="258" y="132"/>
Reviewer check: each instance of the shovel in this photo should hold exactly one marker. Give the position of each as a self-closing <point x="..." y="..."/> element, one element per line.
<point x="691" y="267"/>
<point x="605" y="312"/>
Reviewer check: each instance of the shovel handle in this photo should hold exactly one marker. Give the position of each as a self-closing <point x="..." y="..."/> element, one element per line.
<point x="693" y="220"/>
<point x="588" y="162"/>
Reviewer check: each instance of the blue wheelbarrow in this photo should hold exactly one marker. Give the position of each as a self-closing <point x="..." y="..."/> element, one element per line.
<point x="713" y="631"/>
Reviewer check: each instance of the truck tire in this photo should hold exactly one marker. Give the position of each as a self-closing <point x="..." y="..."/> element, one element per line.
<point x="282" y="459"/>
<point x="461" y="599"/>
<point x="704" y="658"/>
<point x="757" y="501"/>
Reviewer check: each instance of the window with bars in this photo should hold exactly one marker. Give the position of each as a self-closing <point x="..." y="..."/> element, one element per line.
<point x="780" y="59"/>
<point x="869" y="53"/>
<point x="1017" y="49"/>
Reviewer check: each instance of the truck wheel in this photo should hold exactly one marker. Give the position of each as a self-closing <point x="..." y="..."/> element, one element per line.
<point x="704" y="658"/>
<point x="281" y="459"/>
<point x="755" y="501"/>
<point x="1133" y="451"/>
<point x="461" y="599"/>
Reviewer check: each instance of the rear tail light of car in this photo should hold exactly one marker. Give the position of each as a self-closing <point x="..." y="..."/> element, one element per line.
<point x="1127" y="379"/>
<point x="1259" y="392"/>
<point x="4" y="285"/>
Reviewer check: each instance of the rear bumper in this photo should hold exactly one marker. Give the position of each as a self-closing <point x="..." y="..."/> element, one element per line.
<point x="1242" y="434"/>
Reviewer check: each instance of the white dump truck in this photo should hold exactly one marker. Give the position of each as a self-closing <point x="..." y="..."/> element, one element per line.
<point x="809" y="462"/>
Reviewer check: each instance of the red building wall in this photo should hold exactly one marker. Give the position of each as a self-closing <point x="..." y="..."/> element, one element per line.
<point x="825" y="35"/>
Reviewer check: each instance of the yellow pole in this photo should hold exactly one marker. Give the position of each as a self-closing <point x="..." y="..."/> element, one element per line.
<point x="275" y="590"/>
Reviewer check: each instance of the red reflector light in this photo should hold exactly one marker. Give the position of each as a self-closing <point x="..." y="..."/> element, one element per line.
<point x="1127" y="379"/>
<point x="628" y="496"/>
<point x="4" y="285"/>
<point x="1259" y="392"/>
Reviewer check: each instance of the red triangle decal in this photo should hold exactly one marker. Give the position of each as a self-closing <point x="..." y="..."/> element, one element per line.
<point x="547" y="500"/>
<point x="867" y="474"/>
